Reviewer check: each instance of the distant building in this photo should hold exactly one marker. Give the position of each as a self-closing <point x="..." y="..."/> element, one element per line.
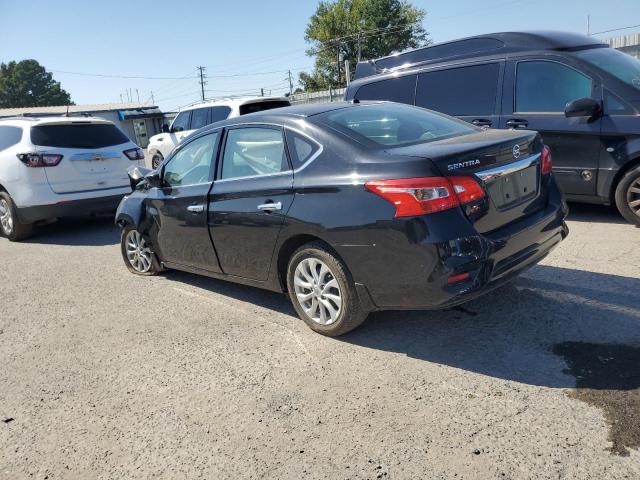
<point x="628" y="44"/>
<point x="137" y="121"/>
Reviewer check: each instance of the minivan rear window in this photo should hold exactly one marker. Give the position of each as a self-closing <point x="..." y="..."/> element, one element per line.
<point x="394" y="124"/>
<point x="77" y="135"/>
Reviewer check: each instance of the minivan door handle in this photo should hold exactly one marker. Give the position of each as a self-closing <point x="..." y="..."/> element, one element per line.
<point x="195" y="208"/>
<point x="517" y="123"/>
<point x="481" y="122"/>
<point x="270" y="206"/>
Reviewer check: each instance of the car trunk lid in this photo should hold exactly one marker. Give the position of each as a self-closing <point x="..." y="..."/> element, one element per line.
<point x="505" y="163"/>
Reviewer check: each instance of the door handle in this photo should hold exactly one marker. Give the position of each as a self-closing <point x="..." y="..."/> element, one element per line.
<point x="195" y="208"/>
<point x="270" y="206"/>
<point x="517" y="123"/>
<point x="481" y="122"/>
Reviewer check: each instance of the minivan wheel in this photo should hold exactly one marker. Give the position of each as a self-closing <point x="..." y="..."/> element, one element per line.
<point x="628" y="196"/>
<point x="9" y="223"/>
<point x="137" y="253"/>
<point x="156" y="160"/>
<point x="322" y="291"/>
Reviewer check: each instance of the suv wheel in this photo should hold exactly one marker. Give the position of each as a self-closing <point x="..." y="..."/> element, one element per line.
<point x="628" y="196"/>
<point x="9" y="223"/>
<point x="156" y="160"/>
<point x="322" y="291"/>
<point x="137" y="253"/>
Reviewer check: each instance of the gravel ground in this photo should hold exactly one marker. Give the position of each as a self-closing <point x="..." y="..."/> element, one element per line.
<point x="107" y="375"/>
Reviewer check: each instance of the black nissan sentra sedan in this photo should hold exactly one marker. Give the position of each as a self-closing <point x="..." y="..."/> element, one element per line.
<point x="348" y="207"/>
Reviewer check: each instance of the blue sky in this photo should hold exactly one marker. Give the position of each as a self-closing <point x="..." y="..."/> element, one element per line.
<point x="257" y="41"/>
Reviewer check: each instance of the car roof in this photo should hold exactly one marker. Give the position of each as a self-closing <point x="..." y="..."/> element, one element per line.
<point x="233" y="102"/>
<point x="29" y="121"/>
<point x="500" y="43"/>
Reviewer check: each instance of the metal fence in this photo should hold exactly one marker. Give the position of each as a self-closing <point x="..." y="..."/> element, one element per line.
<point x="324" y="96"/>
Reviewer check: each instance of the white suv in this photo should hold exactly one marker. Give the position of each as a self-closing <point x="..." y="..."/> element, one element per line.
<point x="60" y="166"/>
<point x="200" y="114"/>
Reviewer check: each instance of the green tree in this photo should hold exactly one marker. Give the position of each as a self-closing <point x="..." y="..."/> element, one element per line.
<point x="28" y="84"/>
<point x="356" y="29"/>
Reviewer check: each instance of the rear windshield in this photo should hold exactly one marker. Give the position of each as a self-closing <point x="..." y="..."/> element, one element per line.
<point x="75" y="135"/>
<point x="393" y="124"/>
<point x="260" y="106"/>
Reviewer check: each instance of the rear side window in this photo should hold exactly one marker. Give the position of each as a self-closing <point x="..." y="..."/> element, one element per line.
<point x="253" y="151"/>
<point x="181" y="122"/>
<point x="9" y="136"/>
<point x="260" y="106"/>
<point x="460" y="91"/>
<point x="219" y="113"/>
<point x="75" y="135"/>
<point x="199" y="118"/>
<point x="392" y="124"/>
<point x="399" y="89"/>
<point x="300" y="148"/>
<point x="548" y="86"/>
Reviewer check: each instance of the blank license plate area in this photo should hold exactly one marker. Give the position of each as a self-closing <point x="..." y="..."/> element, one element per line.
<point x="512" y="189"/>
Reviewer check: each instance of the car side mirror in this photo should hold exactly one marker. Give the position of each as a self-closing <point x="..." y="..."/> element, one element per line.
<point x="137" y="175"/>
<point x="165" y="128"/>
<point x="582" y="107"/>
<point x="153" y="179"/>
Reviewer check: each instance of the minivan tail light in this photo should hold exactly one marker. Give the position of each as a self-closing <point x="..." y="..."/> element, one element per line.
<point x="546" y="162"/>
<point x="40" y="159"/>
<point x="134" y="154"/>
<point x="421" y="196"/>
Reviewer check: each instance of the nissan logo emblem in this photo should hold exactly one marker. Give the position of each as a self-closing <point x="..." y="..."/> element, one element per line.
<point x="516" y="151"/>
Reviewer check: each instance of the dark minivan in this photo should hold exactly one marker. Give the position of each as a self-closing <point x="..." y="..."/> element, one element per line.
<point x="581" y="95"/>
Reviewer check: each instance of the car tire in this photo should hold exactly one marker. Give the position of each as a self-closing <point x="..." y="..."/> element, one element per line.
<point x="156" y="160"/>
<point x="322" y="291"/>
<point x="10" y="225"/>
<point x="137" y="253"/>
<point x="628" y="196"/>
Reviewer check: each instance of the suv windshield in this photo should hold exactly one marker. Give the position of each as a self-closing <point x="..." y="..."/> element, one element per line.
<point x="614" y="62"/>
<point x="393" y="124"/>
<point x="77" y="135"/>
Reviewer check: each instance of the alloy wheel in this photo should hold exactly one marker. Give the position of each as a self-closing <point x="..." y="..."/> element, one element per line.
<point x="6" y="219"/>
<point x="633" y="196"/>
<point x="317" y="291"/>
<point x="138" y="252"/>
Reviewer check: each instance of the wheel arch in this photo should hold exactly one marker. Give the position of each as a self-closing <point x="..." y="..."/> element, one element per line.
<point x="631" y="164"/>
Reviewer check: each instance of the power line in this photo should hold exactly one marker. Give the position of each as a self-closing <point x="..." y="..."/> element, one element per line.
<point x="615" y="29"/>
<point x="104" y="75"/>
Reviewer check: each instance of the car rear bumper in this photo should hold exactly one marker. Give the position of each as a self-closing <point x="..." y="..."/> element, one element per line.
<point x="70" y="208"/>
<point x="418" y="277"/>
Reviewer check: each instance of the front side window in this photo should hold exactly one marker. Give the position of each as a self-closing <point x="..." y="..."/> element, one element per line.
<point x="181" y="122"/>
<point x="191" y="164"/>
<point x="199" y="118"/>
<point x="460" y="91"/>
<point x="9" y="136"/>
<point x="614" y="62"/>
<point x="547" y="87"/>
<point x="393" y="124"/>
<point x="252" y="151"/>
<point x="400" y="89"/>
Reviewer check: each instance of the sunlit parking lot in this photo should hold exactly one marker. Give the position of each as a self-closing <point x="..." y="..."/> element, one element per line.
<point x="109" y="375"/>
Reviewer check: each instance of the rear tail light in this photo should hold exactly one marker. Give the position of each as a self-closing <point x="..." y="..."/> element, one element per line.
<point x="546" y="161"/>
<point x="134" y="154"/>
<point x="40" y="159"/>
<point x="459" y="278"/>
<point x="420" y="196"/>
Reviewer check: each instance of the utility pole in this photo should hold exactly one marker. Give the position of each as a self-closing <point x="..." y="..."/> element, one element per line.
<point x="588" y="24"/>
<point x="347" y="72"/>
<point x="138" y="95"/>
<point x="153" y="100"/>
<point x="290" y="84"/>
<point x="262" y="92"/>
<point x="339" y="62"/>
<point x="121" y="101"/>
<point x="359" y="47"/>
<point x="202" y="82"/>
